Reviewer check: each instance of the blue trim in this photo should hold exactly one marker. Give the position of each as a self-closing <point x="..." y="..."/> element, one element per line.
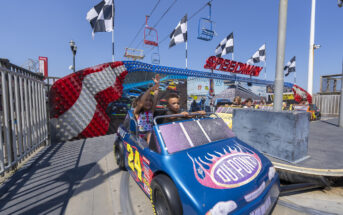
<point x="135" y="66"/>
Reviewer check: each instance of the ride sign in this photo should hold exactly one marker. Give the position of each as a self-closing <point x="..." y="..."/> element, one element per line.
<point x="225" y="65"/>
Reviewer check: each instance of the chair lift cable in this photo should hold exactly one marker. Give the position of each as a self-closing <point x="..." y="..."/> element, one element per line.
<point x="195" y="13"/>
<point x="141" y="28"/>
<point x="158" y="21"/>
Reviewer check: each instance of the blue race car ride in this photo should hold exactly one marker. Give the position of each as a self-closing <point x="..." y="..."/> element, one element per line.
<point x="197" y="166"/>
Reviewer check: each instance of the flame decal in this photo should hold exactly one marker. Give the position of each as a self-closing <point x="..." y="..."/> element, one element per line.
<point x="231" y="167"/>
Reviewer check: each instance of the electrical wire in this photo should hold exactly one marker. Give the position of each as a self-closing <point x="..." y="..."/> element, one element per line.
<point x="159" y="20"/>
<point x="165" y="13"/>
<point x="141" y="28"/>
<point x="194" y="14"/>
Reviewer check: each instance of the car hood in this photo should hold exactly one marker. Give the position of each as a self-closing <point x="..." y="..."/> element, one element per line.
<point x="219" y="171"/>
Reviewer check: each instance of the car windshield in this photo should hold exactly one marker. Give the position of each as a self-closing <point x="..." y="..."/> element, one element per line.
<point x="184" y="135"/>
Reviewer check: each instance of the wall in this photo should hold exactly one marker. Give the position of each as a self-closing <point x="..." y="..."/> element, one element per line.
<point x="283" y="135"/>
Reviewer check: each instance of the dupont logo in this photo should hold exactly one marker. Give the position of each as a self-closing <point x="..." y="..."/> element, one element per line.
<point x="234" y="167"/>
<point x="235" y="170"/>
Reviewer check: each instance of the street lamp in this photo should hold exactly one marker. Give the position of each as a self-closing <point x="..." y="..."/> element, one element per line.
<point x="73" y="48"/>
<point x="316" y="46"/>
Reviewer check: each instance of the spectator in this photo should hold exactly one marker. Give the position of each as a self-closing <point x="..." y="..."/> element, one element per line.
<point x="202" y="103"/>
<point x="248" y="103"/>
<point x="194" y="106"/>
<point x="237" y="101"/>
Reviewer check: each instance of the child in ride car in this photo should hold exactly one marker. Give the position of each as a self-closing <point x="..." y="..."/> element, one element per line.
<point x="173" y="105"/>
<point x="145" y="106"/>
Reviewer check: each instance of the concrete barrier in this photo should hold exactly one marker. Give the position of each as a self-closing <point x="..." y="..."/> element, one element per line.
<point x="283" y="135"/>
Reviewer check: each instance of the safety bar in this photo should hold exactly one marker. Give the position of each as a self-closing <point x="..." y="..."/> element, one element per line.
<point x="181" y="115"/>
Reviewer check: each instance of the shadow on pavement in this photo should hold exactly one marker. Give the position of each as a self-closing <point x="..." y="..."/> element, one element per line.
<point x="48" y="180"/>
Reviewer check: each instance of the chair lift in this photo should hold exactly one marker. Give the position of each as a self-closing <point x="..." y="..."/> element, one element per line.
<point x="206" y="27"/>
<point x="134" y="53"/>
<point x="150" y="34"/>
<point x="155" y="57"/>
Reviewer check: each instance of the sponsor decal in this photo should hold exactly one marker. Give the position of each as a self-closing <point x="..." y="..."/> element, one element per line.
<point x="147" y="174"/>
<point x="222" y="208"/>
<point x="234" y="166"/>
<point x="121" y="132"/>
<point x="146" y="160"/>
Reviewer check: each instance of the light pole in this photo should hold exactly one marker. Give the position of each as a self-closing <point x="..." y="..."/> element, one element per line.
<point x="73" y="48"/>
<point x="312" y="46"/>
<point x="280" y="57"/>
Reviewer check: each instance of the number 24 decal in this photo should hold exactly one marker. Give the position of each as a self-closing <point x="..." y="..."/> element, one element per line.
<point x="134" y="161"/>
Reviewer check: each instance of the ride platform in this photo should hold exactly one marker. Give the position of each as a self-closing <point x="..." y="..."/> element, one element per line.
<point x="325" y="155"/>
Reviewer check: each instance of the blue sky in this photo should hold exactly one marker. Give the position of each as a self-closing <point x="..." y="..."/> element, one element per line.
<point x="44" y="28"/>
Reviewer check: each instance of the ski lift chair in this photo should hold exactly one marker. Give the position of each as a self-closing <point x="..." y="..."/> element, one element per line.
<point x="150" y="34"/>
<point x="155" y="58"/>
<point x="206" y="27"/>
<point x="135" y="54"/>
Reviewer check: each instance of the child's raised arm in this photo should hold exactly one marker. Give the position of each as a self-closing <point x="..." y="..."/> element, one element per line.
<point x="139" y="104"/>
<point x="156" y="90"/>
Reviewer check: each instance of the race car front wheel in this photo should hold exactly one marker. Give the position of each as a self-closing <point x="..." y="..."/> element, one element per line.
<point x="119" y="154"/>
<point x="165" y="196"/>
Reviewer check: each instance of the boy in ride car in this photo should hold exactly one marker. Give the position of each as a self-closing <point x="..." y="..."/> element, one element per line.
<point x="173" y="105"/>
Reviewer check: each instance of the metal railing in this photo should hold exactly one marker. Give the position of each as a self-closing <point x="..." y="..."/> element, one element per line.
<point x="23" y="115"/>
<point x="328" y="104"/>
<point x="330" y="84"/>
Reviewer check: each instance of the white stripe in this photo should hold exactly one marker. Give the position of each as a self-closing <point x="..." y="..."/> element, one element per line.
<point x="203" y="131"/>
<point x="78" y="117"/>
<point x="186" y="134"/>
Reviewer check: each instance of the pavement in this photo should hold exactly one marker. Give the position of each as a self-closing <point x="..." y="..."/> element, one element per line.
<point x="81" y="177"/>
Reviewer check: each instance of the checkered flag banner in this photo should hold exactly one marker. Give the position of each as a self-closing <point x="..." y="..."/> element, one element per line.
<point x="259" y="56"/>
<point x="179" y="34"/>
<point x="225" y="46"/>
<point x="290" y="66"/>
<point x="101" y="17"/>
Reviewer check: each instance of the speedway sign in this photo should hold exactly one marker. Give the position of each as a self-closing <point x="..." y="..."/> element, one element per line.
<point x="225" y="65"/>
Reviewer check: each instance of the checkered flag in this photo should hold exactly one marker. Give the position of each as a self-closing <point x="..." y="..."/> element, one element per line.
<point x="179" y="34"/>
<point x="101" y="17"/>
<point x="259" y="56"/>
<point x="290" y="66"/>
<point x="225" y="46"/>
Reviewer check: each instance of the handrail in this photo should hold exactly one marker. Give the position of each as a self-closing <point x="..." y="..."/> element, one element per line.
<point x="181" y="115"/>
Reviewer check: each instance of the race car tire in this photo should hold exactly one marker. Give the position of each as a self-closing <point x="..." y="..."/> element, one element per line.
<point x="165" y="198"/>
<point x="119" y="155"/>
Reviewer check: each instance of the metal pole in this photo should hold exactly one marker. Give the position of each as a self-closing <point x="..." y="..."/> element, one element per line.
<point x="186" y="55"/>
<point x="74" y="61"/>
<point x="113" y="31"/>
<point x="310" y="59"/>
<point x="341" y="105"/>
<point x="280" y="58"/>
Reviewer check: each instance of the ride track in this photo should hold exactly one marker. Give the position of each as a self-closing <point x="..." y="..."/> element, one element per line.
<point x="78" y="101"/>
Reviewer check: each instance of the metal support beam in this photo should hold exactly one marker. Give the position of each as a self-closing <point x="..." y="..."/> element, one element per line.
<point x="280" y="57"/>
<point x="341" y="105"/>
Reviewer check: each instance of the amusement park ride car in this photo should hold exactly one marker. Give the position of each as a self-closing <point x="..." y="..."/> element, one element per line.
<point x="189" y="167"/>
